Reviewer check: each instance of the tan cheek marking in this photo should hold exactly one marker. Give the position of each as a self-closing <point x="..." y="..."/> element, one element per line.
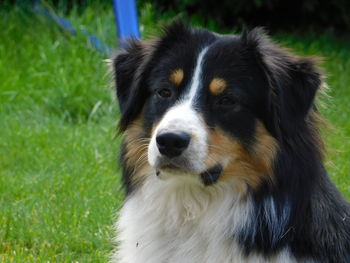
<point x="217" y="86"/>
<point x="176" y="76"/>
<point x="136" y="151"/>
<point x="265" y="148"/>
<point x="251" y="168"/>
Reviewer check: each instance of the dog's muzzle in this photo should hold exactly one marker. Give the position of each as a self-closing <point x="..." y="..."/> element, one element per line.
<point x="179" y="142"/>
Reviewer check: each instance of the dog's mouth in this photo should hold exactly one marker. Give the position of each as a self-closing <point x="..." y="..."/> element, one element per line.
<point x="171" y="166"/>
<point x="172" y="169"/>
<point x="208" y="177"/>
<point x="174" y="165"/>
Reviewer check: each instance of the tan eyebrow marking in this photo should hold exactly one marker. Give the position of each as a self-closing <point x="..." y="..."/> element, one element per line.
<point x="217" y="85"/>
<point x="176" y="76"/>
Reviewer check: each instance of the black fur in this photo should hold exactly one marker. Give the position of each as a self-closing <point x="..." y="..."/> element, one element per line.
<point x="301" y="208"/>
<point x="210" y="176"/>
<point x="310" y="215"/>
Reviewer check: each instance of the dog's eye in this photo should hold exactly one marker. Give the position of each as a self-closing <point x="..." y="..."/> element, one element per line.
<point x="164" y="93"/>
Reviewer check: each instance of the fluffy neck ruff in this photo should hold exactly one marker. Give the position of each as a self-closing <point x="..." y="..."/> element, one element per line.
<point x="185" y="199"/>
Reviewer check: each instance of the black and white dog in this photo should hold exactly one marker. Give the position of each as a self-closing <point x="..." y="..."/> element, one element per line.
<point x="222" y="158"/>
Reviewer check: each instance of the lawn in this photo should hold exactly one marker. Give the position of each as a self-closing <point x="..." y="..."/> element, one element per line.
<point x="59" y="184"/>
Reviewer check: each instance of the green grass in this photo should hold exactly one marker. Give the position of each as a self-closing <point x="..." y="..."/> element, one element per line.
<point x="59" y="184"/>
<point x="59" y="189"/>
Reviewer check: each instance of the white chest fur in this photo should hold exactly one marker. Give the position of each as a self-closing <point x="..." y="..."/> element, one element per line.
<point x="180" y="220"/>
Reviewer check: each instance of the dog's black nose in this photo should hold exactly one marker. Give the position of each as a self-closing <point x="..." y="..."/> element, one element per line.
<point x="172" y="144"/>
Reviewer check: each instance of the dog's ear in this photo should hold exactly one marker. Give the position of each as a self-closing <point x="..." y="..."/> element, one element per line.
<point x="293" y="82"/>
<point x="129" y="66"/>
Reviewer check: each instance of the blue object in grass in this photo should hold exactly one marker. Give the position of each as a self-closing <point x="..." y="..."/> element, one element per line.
<point x="65" y="25"/>
<point x="126" y="19"/>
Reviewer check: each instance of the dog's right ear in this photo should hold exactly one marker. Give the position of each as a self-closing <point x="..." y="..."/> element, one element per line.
<point x="129" y="66"/>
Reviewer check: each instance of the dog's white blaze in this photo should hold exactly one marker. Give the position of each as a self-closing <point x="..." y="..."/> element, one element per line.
<point x="195" y="82"/>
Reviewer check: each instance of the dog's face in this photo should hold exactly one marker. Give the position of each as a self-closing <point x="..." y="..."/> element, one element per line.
<point x="203" y="105"/>
<point x="199" y="104"/>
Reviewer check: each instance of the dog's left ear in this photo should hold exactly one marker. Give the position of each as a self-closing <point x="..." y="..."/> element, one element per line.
<point x="293" y="82"/>
<point x="129" y="66"/>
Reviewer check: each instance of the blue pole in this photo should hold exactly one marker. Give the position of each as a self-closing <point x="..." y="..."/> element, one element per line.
<point x="126" y="19"/>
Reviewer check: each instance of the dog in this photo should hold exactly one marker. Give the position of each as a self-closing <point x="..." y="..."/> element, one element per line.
<point x="221" y="156"/>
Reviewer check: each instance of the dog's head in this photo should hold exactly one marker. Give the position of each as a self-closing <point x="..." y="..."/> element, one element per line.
<point x="211" y="106"/>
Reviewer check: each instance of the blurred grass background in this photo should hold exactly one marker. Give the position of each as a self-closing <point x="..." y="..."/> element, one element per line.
<point x="59" y="184"/>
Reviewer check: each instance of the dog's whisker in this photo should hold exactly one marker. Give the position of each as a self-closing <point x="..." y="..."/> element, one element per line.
<point x="140" y="162"/>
